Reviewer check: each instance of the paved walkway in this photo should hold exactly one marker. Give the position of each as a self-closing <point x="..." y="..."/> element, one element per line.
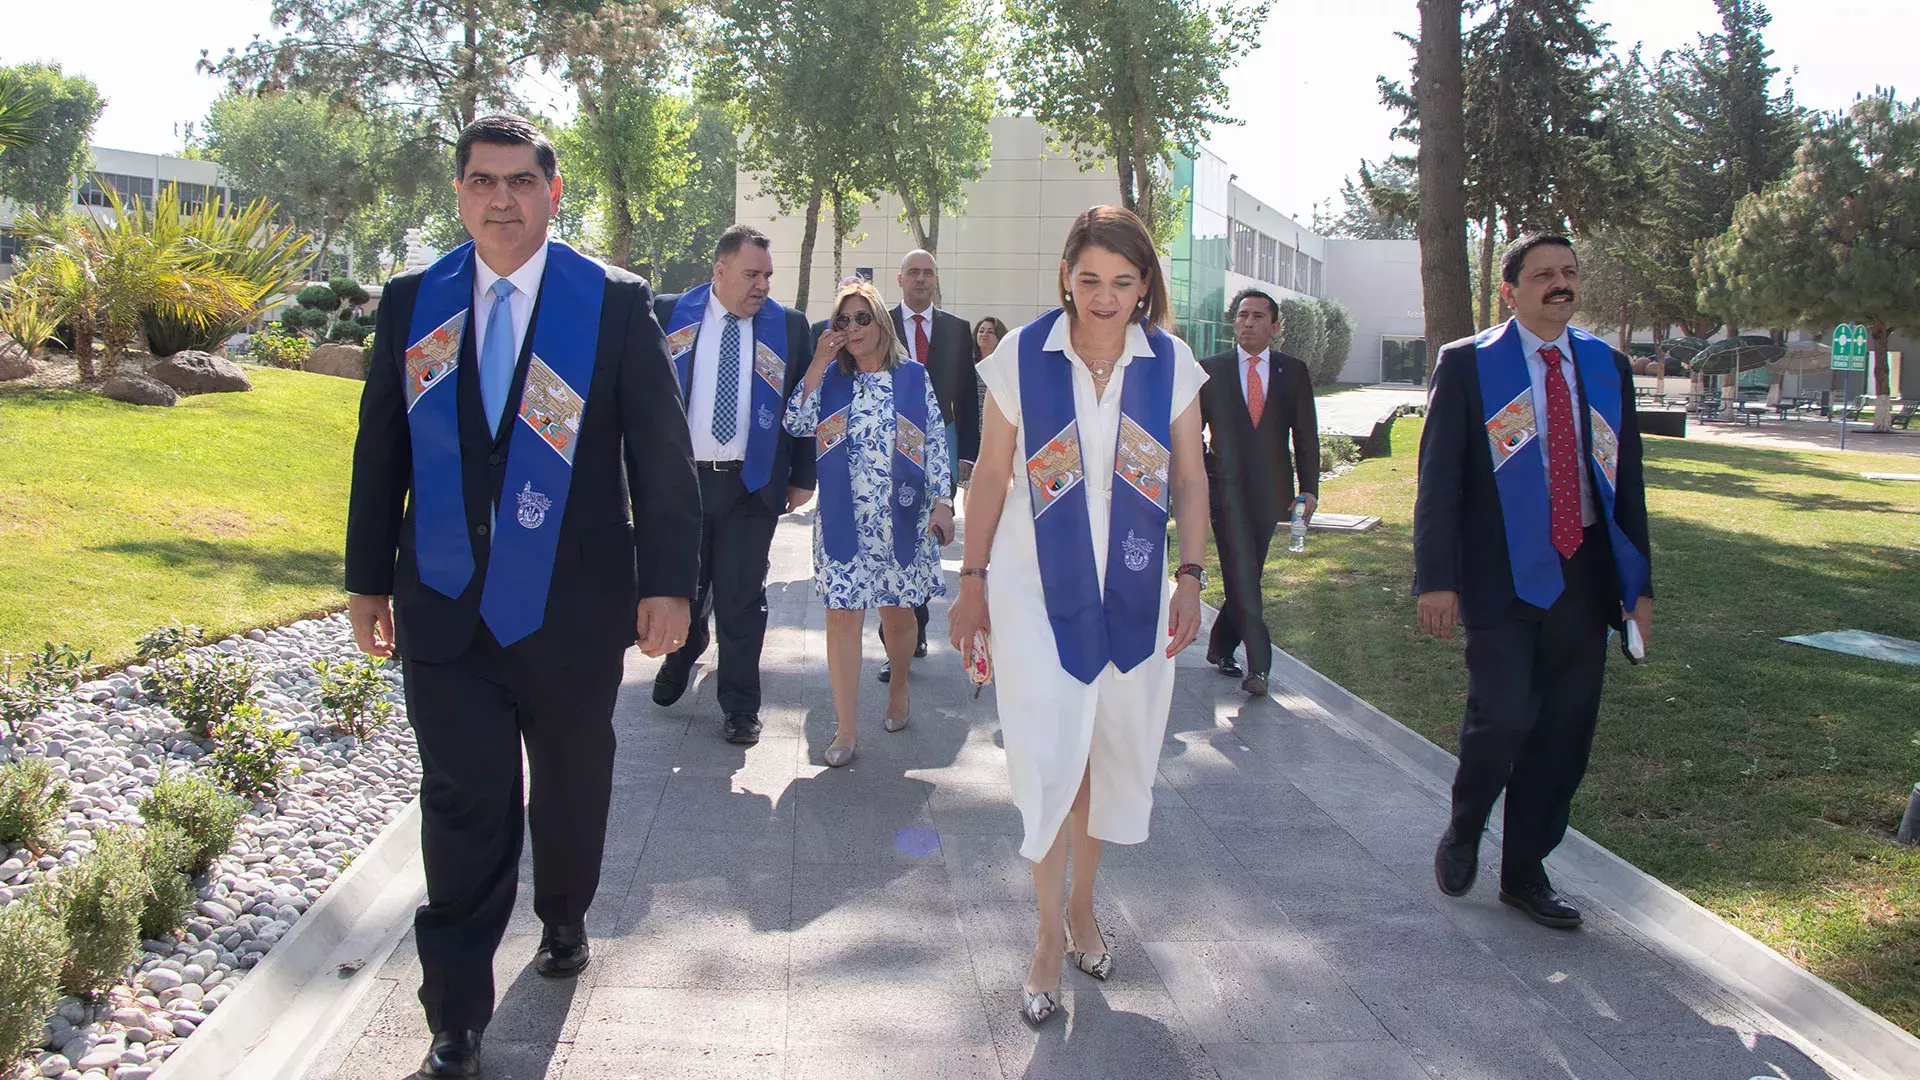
<point x="1353" y="413"/>
<point x="1807" y="435"/>
<point x="763" y="917"/>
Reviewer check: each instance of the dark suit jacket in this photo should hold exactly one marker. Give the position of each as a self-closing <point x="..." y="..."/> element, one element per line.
<point x="950" y="365"/>
<point x="1252" y="472"/>
<point x="633" y="463"/>
<point x="1459" y="532"/>
<point x="792" y="458"/>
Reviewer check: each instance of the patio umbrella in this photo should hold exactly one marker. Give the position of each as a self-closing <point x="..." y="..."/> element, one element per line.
<point x="1728" y="356"/>
<point x="1682" y="349"/>
<point x="1802" y="358"/>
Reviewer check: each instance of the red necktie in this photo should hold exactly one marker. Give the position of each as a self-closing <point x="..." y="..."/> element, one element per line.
<point x="920" y="338"/>
<point x="1256" y="394"/>
<point x="1563" y="458"/>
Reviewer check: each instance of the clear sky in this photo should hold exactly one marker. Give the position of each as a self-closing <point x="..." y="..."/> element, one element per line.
<point x="1306" y="96"/>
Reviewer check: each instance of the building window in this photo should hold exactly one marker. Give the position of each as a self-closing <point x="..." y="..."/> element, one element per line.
<point x="194" y="196"/>
<point x="1302" y="271"/>
<point x="1268" y="247"/>
<point x="1319" y="270"/>
<point x="1244" y="242"/>
<point x="9" y="246"/>
<point x="93" y="190"/>
<point x="1403" y="360"/>
<point x="1283" y="275"/>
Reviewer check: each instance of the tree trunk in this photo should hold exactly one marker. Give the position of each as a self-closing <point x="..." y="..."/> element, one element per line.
<point x="912" y="207"/>
<point x="468" y="103"/>
<point x="1142" y="171"/>
<point x="620" y="223"/>
<point x="1882" y="378"/>
<point x="1484" y="318"/>
<point x="1438" y="90"/>
<point x="931" y="241"/>
<point x="807" y="238"/>
<point x="839" y="236"/>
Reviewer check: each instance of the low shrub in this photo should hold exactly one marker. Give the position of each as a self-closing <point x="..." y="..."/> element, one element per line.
<point x="166" y="853"/>
<point x="201" y="689"/>
<point x="207" y="815"/>
<point x="102" y="897"/>
<point x="248" y="751"/>
<point x="33" y="945"/>
<point x="278" y="349"/>
<point x="59" y="668"/>
<point x="348" y="333"/>
<point x="165" y="642"/>
<point x="1337" y="450"/>
<point x="317" y="297"/>
<point x="21" y="698"/>
<point x="354" y="691"/>
<point x="33" y="803"/>
<point x="351" y="293"/>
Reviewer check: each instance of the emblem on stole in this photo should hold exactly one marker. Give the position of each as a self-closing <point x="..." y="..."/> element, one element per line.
<point x="533" y="507"/>
<point x="1136" y="551"/>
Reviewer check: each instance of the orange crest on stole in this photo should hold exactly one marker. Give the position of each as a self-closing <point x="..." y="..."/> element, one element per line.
<point x="434" y="357"/>
<point x="1511" y="428"/>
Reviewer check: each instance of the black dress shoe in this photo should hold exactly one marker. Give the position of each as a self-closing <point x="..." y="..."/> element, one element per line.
<point x="564" y="951"/>
<point x="742" y="728"/>
<point x="920" y="649"/>
<point x="1542" y="905"/>
<point x="1455" y="864"/>
<point x="886" y="671"/>
<point x="1255" y="684"/>
<point x="1229" y="667"/>
<point x="454" y="1053"/>
<point x="670" y="683"/>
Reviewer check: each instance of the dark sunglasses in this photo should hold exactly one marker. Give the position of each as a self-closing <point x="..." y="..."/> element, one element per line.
<point x="863" y="318"/>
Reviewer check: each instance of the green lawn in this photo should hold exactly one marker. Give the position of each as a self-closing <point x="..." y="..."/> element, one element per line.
<point x="227" y="510"/>
<point x="1762" y="779"/>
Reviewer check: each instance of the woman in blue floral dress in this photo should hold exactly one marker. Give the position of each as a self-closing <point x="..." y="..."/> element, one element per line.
<point x="884" y="509"/>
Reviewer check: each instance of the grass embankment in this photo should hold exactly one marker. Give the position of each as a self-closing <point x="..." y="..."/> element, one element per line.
<point x="1762" y="779"/>
<point x="227" y="510"/>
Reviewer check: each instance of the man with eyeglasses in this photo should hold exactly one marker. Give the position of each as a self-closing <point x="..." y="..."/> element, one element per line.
<point x="738" y="354"/>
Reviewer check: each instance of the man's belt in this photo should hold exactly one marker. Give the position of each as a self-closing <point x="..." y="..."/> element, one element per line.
<point x="720" y="466"/>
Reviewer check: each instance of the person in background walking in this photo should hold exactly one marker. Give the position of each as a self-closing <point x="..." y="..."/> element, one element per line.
<point x="1529" y="529"/>
<point x="986" y="338"/>
<point x="1262" y="434"/>
<point x="885" y="509"/>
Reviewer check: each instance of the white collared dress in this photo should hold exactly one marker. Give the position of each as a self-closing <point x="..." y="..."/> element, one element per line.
<point x="1056" y="727"/>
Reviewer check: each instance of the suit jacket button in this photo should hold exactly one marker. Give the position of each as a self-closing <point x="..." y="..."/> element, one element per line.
<point x="480" y="530"/>
<point x="494" y="459"/>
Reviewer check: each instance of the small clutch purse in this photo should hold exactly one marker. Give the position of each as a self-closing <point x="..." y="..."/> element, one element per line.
<point x="980" y="662"/>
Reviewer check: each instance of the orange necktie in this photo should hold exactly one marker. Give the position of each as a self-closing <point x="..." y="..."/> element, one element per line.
<point x="1256" y="394"/>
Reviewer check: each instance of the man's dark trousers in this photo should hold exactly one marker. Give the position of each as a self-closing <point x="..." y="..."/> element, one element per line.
<point x="1243" y="561"/>
<point x="736" y="537"/>
<point x="470" y="717"/>
<point x="1533" y="697"/>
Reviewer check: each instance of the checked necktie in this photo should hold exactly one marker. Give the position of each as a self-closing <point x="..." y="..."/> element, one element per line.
<point x="1256" y="393"/>
<point x="920" y="338"/>
<point x="1563" y="457"/>
<point x="496" y="355"/>
<point x="726" y="382"/>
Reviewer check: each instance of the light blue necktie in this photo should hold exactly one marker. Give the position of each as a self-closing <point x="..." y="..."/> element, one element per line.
<point x="726" y="382"/>
<point x="496" y="355"/>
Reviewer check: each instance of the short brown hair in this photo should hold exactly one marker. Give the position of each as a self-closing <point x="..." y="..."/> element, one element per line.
<point x="1120" y="231"/>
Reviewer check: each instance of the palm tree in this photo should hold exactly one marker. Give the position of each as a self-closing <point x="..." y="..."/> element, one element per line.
<point x="20" y="109"/>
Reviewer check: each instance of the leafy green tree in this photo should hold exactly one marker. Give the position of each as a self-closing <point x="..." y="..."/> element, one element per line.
<point x="310" y="157"/>
<point x="936" y="95"/>
<point x="680" y="244"/>
<point x="39" y="172"/>
<point x="1836" y="240"/>
<point x="627" y="153"/>
<point x="1381" y="202"/>
<point x="1130" y="81"/>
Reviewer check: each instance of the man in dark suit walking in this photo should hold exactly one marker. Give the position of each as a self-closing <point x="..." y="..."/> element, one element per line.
<point x="1530" y="530"/>
<point x="737" y="355"/>
<point x="943" y="342"/>
<point x="523" y="509"/>
<point x="1263" y="434"/>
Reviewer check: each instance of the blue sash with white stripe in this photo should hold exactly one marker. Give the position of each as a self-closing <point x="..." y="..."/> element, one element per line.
<point x="1120" y="620"/>
<point x="1520" y="467"/>
<point x="834" y="454"/>
<point x="767" y="400"/>
<point x="566" y="337"/>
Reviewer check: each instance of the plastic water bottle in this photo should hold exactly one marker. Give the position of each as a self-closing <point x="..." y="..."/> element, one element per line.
<point x="1297" y="534"/>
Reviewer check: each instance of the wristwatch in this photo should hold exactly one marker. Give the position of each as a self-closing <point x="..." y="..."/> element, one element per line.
<point x="1194" y="571"/>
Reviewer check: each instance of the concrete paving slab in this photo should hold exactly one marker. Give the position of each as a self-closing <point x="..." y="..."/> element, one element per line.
<point x="761" y="916"/>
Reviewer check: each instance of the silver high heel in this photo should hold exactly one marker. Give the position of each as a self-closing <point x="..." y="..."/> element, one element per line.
<point x="894" y="723"/>
<point x="837" y="756"/>
<point x="1039" y="1005"/>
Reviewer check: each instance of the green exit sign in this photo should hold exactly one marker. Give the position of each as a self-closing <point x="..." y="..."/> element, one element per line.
<point x="1849" y="349"/>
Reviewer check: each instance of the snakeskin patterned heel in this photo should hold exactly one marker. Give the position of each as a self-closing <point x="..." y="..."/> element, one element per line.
<point x="1039" y="1005"/>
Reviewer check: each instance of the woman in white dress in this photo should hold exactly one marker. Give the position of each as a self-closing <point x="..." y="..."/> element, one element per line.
<point x="1096" y="405"/>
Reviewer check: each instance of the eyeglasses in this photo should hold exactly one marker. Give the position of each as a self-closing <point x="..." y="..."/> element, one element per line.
<point x="863" y="318"/>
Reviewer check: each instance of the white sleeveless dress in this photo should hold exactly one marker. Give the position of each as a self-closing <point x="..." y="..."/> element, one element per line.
<point x="1055" y="727"/>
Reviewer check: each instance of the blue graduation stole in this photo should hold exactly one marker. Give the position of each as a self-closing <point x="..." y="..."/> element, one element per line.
<point x="1122" y="622"/>
<point x="1520" y="465"/>
<point x="768" y="397"/>
<point x="566" y="337"/>
<point x="838" y="534"/>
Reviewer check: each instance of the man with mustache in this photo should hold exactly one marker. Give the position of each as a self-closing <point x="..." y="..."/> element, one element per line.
<point x="523" y="509"/>
<point x="738" y="354"/>
<point x="1530" y="530"/>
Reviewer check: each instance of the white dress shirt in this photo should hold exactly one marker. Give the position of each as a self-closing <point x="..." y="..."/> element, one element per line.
<point x="1266" y="377"/>
<point x="1531" y="344"/>
<point x="526" y="289"/>
<point x="706" y="365"/>
<point x="906" y="323"/>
